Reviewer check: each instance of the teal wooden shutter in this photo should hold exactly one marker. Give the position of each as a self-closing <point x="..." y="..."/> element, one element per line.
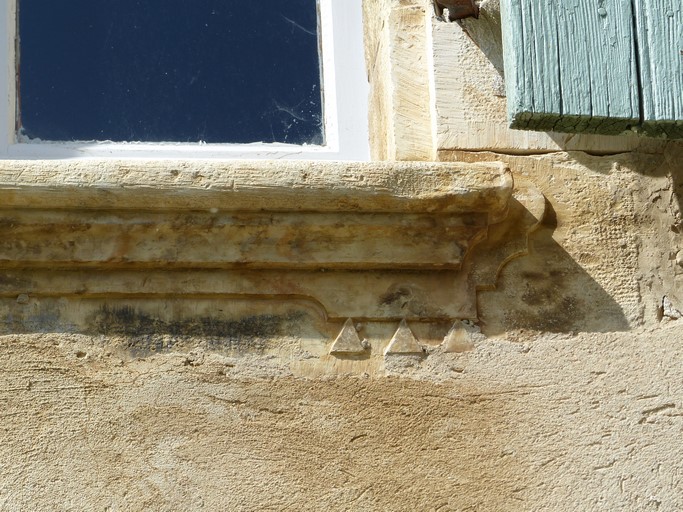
<point x="604" y="66"/>
<point x="660" y="50"/>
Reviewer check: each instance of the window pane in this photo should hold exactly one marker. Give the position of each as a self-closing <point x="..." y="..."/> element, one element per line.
<point x="170" y="70"/>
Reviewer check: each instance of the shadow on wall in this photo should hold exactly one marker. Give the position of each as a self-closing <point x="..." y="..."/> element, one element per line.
<point x="665" y="161"/>
<point x="486" y="33"/>
<point x="547" y="290"/>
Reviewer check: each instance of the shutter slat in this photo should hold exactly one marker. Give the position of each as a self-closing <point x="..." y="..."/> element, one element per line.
<point x="570" y="65"/>
<point x="660" y="50"/>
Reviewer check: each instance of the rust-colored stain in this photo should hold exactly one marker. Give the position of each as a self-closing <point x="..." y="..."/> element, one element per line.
<point x="457" y="9"/>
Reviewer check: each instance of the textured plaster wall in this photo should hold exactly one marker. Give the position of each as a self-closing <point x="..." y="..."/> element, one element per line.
<point x="548" y="422"/>
<point x="571" y="397"/>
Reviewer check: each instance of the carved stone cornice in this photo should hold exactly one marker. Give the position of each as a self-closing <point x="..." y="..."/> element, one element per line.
<point x="377" y="242"/>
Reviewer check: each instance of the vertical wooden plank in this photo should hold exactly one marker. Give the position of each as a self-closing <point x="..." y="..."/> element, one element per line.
<point x="660" y="50"/>
<point x="598" y="66"/>
<point x="517" y="87"/>
<point x="545" y="76"/>
<point x="570" y="65"/>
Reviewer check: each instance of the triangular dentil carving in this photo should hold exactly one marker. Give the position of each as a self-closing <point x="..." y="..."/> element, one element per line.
<point x="347" y="342"/>
<point x="404" y="341"/>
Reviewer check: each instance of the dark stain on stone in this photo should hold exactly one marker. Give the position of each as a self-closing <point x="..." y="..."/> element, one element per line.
<point x="147" y="333"/>
<point x="23" y="320"/>
<point x="538" y="296"/>
<point x="75" y="228"/>
<point x="548" y="290"/>
<point x="533" y="276"/>
<point x="10" y="282"/>
<point x="393" y="296"/>
<point x="474" y="220"/>
<point x="553" y="306"/>
<point x="557" y="316"/>
<point x="7" y="223"/>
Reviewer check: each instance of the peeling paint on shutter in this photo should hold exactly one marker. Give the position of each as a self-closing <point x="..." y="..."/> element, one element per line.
<point x="594" y="67"/>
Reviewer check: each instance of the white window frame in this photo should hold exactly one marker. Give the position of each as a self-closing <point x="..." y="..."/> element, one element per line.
<point x="344" y="86"/>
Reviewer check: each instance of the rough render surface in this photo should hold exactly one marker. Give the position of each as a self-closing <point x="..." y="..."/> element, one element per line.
<point x="560" y="422"/>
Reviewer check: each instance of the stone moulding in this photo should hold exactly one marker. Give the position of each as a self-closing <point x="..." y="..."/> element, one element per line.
<point x="377" y="242"/>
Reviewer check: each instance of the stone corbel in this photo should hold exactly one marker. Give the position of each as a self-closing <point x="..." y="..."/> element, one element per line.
<point x="372" y="242"/>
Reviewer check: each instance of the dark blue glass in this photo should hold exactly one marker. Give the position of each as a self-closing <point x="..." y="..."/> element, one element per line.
<point x="170" y="70"/>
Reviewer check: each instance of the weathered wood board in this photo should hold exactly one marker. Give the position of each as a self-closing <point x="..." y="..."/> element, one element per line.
<point x="585" y="67"/>
<point x="660" y="50"/>
<point x="571" y="66"/>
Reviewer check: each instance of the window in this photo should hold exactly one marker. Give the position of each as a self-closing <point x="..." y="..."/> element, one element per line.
<point x="191" y="78"/>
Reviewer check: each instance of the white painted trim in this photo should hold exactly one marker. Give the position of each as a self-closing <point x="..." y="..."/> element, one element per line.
<point x="345" y="93"/>
<point x="351" y="79"/>
<point x="7" y="86"/>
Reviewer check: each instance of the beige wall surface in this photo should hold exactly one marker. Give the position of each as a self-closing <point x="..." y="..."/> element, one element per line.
<point x="554" y="385"/>
<point x="568" y="421"/>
